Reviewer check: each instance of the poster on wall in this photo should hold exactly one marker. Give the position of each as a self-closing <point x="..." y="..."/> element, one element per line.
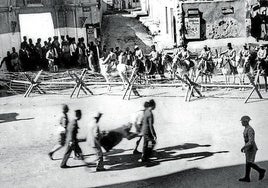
<point x="90" y="33"/>
<point x="192" y="27"/>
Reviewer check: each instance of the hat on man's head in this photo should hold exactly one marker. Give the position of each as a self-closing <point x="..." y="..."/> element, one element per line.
<point x="65" y="107"/>
<point x="261" y="45"/>
<point x="245" y="45"/>
<point x="245" y="118"/>
<point x="229" y="44"/>
<point x="136" y="46"/>
<point x="97" y="114"/>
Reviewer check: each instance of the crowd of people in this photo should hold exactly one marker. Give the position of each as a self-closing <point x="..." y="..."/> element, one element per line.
<point x="52" y="55"/>
<point x="143" y="123"/>
<point x="67" y="53"/>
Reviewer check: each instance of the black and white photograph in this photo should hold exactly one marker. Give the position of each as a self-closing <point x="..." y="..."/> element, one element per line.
<point x="133" y="93"/>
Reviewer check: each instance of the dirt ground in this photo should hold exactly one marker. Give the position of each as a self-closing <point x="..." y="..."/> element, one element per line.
<point x="122" y="31"/>
<point x="198" y="143"/>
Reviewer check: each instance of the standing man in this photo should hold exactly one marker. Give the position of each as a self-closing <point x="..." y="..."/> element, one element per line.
<point x="138" y="53"/>
<point x="64" y="121"/>
<point x="261" y="55"/>
<point x="148" y="131"/>
<point x="93" y="139"/>
<point x="72" y="140"/>
<point x="250" y="150"/>
<point x="129" y="56"/>
<point x="137" y="120"/>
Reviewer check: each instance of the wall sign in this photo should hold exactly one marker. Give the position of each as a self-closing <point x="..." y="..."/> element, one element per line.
<point x="86" y="9"/>
<point x="227" y="10"/>
<point x="192" y="26"/>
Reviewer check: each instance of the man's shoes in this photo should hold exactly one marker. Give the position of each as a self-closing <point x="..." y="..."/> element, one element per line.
<point x="143" y="161"/>
<point x="50" y="155"/>
<point x="64" y="166"/>
<point x="136" y="152"/>
<point x="100" y="169"/>
<point x="262" y="173"/>
<point x="78" y="158"/>
<point x="244" y="179"/>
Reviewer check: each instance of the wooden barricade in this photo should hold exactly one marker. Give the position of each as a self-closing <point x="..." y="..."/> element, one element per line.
<point x="80" y="84"/>
<point x="34" y="84"/>
<point x="130" y="85"/>
<point x="254" y="82"/>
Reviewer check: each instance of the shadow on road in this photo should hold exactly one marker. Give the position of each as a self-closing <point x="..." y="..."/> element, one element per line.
<point x="200" y="178"/>
<point x="9" y="117"/>
<point x="129" y="161"/>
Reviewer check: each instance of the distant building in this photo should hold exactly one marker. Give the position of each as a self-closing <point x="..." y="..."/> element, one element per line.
<point x="43" y="18"/>
<point x="173" y="21"/>
<point x="120" y="4"/>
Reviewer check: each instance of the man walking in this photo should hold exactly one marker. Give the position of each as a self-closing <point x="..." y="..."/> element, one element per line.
<point x="148" y="131"/>
<point x="93" y="140"/>
<point x="250" y="150"/>
<point x="72" y="140"/>
<point x="137" y="120"/>
<point x="64" y="121"/>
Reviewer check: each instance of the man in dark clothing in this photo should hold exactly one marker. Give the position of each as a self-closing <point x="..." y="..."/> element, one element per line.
<point x="45" y="49"/>
<point x="72" y="140"/>
<point x="32" y="55"/>
<point x="24" y="44"/>
<point x="7" y="61"/>
<point x="64" y="121"/>
<point x="129" y="56"/>
<point x="250" y="149"/>
<point x="24" y="59"/>
<point x="149" y="135"/>
<point x="92" y="47"/>
<point x="117" y="52"/>
<point x="38" y="49"/>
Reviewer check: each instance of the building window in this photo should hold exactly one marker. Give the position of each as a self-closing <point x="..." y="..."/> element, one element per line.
<point x="166" y="11"/>
<point x="34" y="2"/>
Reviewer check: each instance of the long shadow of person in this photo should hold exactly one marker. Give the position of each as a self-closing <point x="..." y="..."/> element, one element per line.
<point x="128" y="161"/>
<point x="9" y="117"/>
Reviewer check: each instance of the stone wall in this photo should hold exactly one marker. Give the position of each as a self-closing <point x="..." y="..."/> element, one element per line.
<point x="217" y="19"/>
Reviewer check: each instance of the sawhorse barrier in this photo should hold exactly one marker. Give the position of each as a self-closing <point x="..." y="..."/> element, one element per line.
<point x="34" y="84"/>
<point x="254" y="82"/>
<point x="79" y="80"/>
<point x="130" y="86"/>
<point x="192" y="85"/>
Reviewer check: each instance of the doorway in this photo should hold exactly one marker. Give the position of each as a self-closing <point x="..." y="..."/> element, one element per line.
<point x="34" y="26"/>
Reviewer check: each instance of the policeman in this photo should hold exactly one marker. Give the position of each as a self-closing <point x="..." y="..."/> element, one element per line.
<point x="149" y="134"/>
<point x="72" y="141"/>
<point x="137" y="120"/>
<point x="64" y="121"/>
<point x="250" y="150"/>
<point x="93" y="139"/>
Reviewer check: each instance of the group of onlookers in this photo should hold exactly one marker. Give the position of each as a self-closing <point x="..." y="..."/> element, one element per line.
<point x="52" y="55"/>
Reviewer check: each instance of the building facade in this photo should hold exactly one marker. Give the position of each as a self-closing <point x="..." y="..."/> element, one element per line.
<point x="120" y="4"/>
<point x="178" y="21"/>
<point x="43" y="18"/>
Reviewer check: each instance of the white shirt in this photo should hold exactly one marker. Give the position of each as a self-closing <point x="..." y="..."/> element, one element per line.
<point x="72" y="48"/>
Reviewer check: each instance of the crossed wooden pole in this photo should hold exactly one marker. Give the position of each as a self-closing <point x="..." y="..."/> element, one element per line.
<point x="33" y="84"/>
<point x="80" y="84"/>
<point x="130" y="85"/>
<point x="192" y="86"/>
<point x="253" y="82"/>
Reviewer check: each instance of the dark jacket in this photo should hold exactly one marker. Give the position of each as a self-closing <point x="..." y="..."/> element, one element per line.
<point x="72" y="130"/>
